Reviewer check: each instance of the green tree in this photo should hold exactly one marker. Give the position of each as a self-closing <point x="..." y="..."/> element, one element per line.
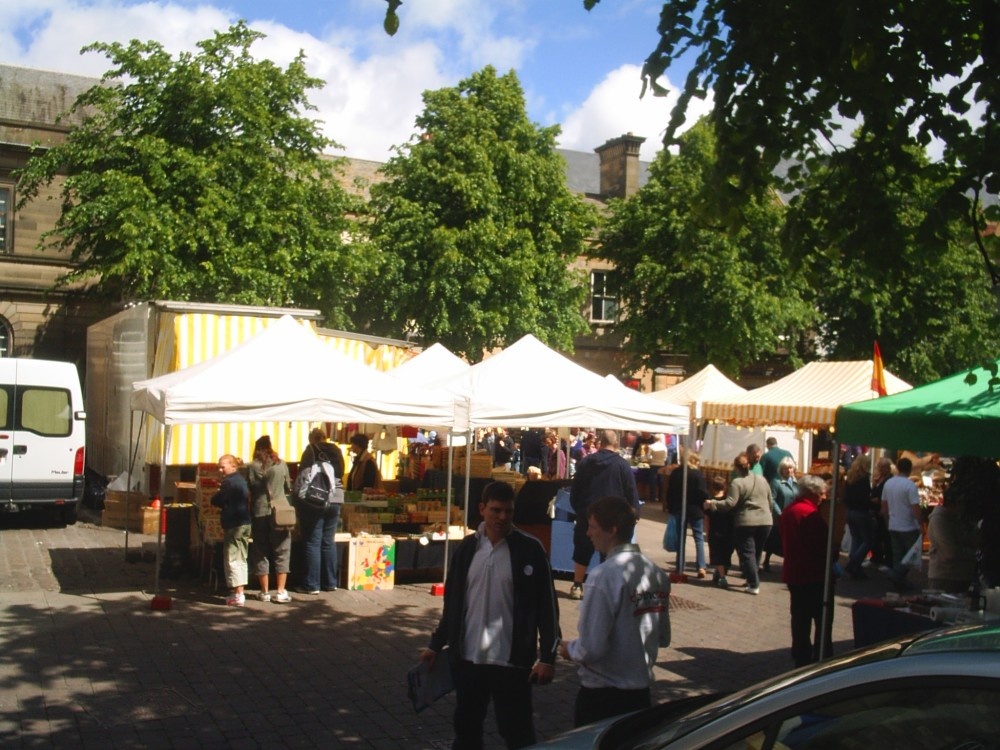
<point x="687" y="283"/>
<point x="199" y="178"/>
<point x="474" y="227"/>
<point x="787" y="77"/>
<point x="882" y="265"/>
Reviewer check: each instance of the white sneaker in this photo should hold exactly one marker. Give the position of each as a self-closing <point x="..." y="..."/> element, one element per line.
<point x="752" y="589"/>
<point x="281" y="597"/>
<point x="236" y="600"/>
<point x="264" y="596"/>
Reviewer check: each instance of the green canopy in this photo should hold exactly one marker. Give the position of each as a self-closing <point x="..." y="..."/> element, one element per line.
<point x="949" y="416"/>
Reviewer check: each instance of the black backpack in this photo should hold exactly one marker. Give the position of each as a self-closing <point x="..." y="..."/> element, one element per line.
<point x="317" y="485"/>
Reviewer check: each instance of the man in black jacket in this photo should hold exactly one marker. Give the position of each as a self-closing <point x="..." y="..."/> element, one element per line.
<point x="500" y="624"/>
<point x="597" y="475"/>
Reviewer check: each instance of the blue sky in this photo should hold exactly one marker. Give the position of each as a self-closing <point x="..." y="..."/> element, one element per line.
<point x="578" y="69"/>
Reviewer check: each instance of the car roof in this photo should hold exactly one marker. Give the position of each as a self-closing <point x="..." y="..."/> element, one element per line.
<point x="950" y="651"/>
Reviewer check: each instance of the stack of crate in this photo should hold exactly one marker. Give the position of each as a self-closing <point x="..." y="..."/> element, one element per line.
<point x="206" y="484"/>
<point x="126" y="510"/>
<point x="481" y="465"/>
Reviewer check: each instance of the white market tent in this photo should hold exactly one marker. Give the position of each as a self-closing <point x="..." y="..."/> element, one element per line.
<point x="708" y="384"/>
<point x="530" y="385"/>
<point x="434" y="363"/>
<point x="807" y="398"/>
<point x="286" y="373"/>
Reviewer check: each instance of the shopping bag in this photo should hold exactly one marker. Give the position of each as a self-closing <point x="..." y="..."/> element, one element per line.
<point x="671" y="535"/>
<point x="914" y="557"/>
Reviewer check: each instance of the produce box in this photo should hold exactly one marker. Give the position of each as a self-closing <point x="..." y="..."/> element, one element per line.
<point x="185" y="492"/>
<point x="134" y="499"/>
<point x="371" y="563"/>
<point x="119" y="515"/>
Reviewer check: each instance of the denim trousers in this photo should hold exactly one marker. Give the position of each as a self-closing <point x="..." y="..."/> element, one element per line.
<point x="901" y="543"/>
<point x="697" y="526"/>
<point x="317" y="529"/>
<point x="863" y="528"/>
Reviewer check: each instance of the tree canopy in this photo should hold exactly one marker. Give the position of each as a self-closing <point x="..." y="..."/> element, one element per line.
<point x="690" y="285"/>
<point x="200" y="178"/>
<point x="791" y="81"/>
<point x="474" y="227"/>
<point x="876" y="270"/>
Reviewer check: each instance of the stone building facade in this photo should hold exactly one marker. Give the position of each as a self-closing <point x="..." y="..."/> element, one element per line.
<point x="35" y="319"/>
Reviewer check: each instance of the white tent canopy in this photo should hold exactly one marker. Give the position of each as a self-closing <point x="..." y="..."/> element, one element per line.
<point x="434" y="363"/>
<point x="530" y="385"/>
<point x="286" y="373"/>
<point x="708" y="384"/>
<point x="807" y="398"/>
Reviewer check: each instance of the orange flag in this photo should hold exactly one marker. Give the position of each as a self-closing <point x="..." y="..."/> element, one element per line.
<point x="878" y="373"/>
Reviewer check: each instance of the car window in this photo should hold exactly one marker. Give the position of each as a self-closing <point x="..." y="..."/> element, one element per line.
<point x="917" y="718"/>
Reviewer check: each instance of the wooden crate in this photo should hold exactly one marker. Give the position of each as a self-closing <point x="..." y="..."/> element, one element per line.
<point x="141" y="520"/>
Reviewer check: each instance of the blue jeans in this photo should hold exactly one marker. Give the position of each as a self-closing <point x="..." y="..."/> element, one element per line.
<point x="862" y="526"/>
<point x="697" y="526"/>
<point x="318" y="528"/>
<point x="901" y="543"/>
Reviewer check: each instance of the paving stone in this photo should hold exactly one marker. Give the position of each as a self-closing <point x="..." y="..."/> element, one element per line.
<point x="88" y="663"/>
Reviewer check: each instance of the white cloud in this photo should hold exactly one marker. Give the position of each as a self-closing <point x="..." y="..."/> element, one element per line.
<point x="614" y="108"/>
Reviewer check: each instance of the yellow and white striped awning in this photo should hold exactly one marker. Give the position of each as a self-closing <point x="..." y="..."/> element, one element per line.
<point x="188" y="338"/>
<point x="807" y="398"/>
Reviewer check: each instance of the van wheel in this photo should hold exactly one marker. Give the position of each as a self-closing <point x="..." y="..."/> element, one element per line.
<point x="68" y="515"/>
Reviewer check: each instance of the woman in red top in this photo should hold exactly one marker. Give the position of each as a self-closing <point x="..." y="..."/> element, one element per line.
<point x="804" y="539"/>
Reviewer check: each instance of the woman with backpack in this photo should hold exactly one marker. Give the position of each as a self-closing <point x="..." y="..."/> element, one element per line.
<point x="317" y="526"/>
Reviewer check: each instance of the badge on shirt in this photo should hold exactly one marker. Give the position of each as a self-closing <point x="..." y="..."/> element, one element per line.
<point x="528" y="570"/>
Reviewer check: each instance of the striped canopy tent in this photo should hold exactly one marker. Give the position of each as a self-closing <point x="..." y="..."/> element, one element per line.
<point x="807" y="398"/>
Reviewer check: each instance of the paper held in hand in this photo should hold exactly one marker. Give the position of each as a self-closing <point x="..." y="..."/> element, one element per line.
<point x="426" y="684"/>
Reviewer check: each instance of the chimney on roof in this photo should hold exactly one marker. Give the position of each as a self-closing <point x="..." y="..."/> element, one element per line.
<point x="620" y="166"/>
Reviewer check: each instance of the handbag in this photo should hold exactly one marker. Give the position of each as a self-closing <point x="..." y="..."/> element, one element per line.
<point x="671" y="535"/>
<point x="283" y="516"/>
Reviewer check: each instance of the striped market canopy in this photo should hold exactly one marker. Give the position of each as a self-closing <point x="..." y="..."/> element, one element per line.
<point x="807" y="398"/>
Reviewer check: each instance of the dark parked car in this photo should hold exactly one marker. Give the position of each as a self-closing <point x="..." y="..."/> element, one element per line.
<point x="937" y="690"/>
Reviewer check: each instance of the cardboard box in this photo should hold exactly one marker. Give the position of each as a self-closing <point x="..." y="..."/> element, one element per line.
<point x="371" y="563"/>
<point x="185" y="492"/>
<point x="140" y="520"/>
<point x="134" y="499"/>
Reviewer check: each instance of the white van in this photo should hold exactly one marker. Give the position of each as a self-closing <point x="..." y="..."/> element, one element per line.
<point x="42" y="436"/>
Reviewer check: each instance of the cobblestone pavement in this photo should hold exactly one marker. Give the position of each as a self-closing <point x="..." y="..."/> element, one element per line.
<point x="85" y="661"/>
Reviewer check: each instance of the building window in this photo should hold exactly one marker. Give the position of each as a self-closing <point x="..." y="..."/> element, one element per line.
<point x="6" y="337"/>
<point x="603" y="301"/>
<point x="6" y="218"/>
